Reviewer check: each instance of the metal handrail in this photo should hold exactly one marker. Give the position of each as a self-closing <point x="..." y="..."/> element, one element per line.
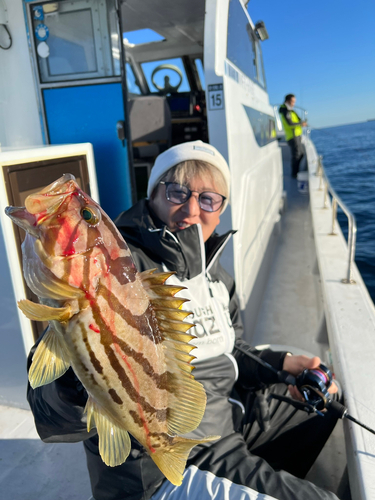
<point x="325" y="185"/>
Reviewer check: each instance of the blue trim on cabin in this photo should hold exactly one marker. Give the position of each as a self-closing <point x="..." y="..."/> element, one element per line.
<point x="89" y="113"/>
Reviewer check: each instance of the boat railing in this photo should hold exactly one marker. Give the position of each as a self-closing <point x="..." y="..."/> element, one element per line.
<point x="325" y="186"/>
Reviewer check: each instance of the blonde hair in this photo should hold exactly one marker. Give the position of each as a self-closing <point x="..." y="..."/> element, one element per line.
<point x="188" y="169"/>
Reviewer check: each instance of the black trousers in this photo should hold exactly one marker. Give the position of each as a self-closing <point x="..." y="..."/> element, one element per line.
<point x="272" y="461"/>
<point x="297" y="153"/>
<point x="293" y="438"/>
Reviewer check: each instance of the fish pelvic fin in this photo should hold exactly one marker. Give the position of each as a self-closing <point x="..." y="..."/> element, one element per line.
<point x="40" y="312"/>
<point x="50" y="360"/>
<point x="171" y="460"/>
<point x="114" y="442"/>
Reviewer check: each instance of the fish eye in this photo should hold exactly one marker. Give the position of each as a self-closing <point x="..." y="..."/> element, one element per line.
<point x="90" y="215"/>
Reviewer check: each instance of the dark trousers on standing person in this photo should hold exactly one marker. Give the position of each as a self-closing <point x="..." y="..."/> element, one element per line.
<point x="297" y="153"/>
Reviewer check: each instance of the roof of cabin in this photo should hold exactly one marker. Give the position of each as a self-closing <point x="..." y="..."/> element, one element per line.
<point x="181" y="23"/>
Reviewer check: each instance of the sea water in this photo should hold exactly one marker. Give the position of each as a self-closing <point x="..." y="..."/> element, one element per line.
<point x="349" y="160"/>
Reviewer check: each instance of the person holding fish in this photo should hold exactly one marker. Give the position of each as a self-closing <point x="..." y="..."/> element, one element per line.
<point x="127" y="336"/>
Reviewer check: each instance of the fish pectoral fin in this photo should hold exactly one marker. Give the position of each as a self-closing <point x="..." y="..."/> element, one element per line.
<point x="171" y="460"/>
<point x="50" y="360"/>
<point x="114" y="442"/>
<point x="40" y="312"/>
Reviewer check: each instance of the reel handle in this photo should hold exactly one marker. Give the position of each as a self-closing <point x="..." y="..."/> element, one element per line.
<point x="314" y="385"/>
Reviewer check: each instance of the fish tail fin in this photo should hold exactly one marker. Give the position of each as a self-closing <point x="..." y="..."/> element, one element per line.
<point x="171" y="460"/>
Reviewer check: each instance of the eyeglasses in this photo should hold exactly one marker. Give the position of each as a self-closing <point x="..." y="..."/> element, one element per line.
<point x="177" y="194"/>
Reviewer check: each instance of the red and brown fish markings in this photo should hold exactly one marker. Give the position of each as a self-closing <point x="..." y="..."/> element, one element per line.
<point x="123" y="332"/>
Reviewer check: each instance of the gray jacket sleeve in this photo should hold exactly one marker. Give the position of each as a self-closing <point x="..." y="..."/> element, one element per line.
<point x="251" y="373"/>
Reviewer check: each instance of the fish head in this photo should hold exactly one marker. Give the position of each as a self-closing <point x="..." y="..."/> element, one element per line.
<point x="69" y="235"/>
<point x="68" y="220"/>
<point x="62" y="217"/>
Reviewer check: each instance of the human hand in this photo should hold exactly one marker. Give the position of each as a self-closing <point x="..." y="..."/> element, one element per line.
<point x="304" y="124"/>
<point x="295" y="365"/>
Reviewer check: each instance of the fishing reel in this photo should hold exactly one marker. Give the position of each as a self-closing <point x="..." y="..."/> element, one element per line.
<point x="314" y="384"/>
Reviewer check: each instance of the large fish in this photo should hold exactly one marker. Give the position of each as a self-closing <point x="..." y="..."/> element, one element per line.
<point x="121" y="331"/>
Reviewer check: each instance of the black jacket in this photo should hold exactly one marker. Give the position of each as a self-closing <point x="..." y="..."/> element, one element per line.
<point x="58" y="407"/>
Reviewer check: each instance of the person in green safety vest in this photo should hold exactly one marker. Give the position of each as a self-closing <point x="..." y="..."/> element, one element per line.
<point x="292" y="124"/>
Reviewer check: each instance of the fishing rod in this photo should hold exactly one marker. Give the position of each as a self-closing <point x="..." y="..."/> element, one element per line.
<point x="313" y="384"/>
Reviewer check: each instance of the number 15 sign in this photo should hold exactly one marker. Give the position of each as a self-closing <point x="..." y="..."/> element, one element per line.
<point x="215" y="97"/>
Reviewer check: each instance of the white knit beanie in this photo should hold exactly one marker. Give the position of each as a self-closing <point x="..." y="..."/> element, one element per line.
<point x="194" y="150"/>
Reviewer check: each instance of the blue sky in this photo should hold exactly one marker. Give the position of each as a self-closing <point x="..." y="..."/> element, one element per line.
<point x="324" y="52"/>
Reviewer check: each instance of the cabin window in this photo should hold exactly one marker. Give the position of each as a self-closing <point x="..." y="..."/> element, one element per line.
<point x="242" y="44"/>
<point x="71" y="43"/>
<point x="139" y="37"/>
<point x="260" y="68"/>
<point x="263" y="126"/>
<point x="176" y="80"/>
<point x="131" y="81"/>
<point x="200" y="70"/>
<point x="77" y="41"/>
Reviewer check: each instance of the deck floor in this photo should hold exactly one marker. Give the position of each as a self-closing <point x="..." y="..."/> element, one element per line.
<point x="292" y="314"/>
<point x="292" y="307"/>
<point x="33" y="470"/>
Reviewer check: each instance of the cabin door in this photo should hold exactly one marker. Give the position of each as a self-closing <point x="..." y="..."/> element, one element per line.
<point x="78" y="51"/>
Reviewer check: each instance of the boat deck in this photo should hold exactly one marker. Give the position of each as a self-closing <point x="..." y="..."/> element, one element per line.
<point x="292" y="311"/>
<point x="31" y="469"/>
<point x="291" y="314"/>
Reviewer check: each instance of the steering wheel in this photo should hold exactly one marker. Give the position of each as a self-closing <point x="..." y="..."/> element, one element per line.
<point x="168" y="88"/>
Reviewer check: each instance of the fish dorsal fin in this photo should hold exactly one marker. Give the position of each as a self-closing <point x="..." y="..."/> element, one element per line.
<point x="187" y="397"/>
<point x="50" y="360"/>
<point x="114" y="442"/>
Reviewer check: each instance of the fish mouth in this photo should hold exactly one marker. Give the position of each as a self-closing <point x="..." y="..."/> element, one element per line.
<point x="23" y="219"/>
<point x="42" y="204"/>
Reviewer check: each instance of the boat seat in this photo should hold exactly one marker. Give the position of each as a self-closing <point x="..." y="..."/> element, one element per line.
<point x="150" y="125"/>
